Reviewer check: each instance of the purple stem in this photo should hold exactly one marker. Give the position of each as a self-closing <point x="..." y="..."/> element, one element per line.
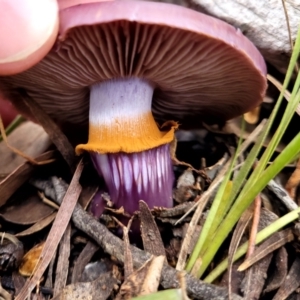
<point x="130" y="177"/>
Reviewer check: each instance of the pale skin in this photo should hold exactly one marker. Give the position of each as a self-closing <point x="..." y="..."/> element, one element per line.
<point x="28" y="30"/>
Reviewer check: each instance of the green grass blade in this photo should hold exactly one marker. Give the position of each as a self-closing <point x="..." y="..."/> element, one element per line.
<point x="249" y="162"/>
<point x="250" y="189"/>
<point x="13" y="125"/>
<point x="216" y="214"/>
<point x="261" y="236"/>
<point x="174" y="294"/>
<point x="291" y="151"/>
<point x="208" y="222"/>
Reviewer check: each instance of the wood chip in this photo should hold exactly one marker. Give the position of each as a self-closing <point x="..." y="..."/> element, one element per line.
<point x="277" y="278"/>
<point x="291" y="282"/>
<point x="128" y="263"/>
<point x="255" y="277"/>
<point x="62" y="267"/>
<point x="83" y="259"/>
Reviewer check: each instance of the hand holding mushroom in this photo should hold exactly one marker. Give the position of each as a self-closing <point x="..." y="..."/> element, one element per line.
<point x="28" y="30"/>
<point x="120" y="67"/>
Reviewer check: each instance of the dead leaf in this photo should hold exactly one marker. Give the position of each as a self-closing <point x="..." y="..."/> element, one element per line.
<point x="152" y="240"/>
<point x="37" y="226"/>
<point x="186" y="178"/>
<point x="28" y="138"/>
<point x="152" y="279"/>
<point x="185" y="187"/>
<point x="115" y="247"/>
<point x="30" y="260"/>
<point x="143" y="281"/>
<point x="20" y="175"/>
<point x="28" y="211"/>
<point x="87" y="194"/>
<point x="282" y="195"/>
<point x="236" y="278"/>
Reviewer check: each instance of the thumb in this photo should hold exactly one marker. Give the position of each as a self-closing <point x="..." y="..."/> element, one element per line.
<point x="28" y="29"/>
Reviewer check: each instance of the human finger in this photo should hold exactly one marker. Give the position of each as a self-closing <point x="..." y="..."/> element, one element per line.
<point x="28" y="29"/>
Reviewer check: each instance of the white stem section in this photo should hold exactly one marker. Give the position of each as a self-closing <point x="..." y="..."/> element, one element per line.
<point x="119" y="99"/>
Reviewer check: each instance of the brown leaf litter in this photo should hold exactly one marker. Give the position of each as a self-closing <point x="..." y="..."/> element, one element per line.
<point x="84" y="259"/>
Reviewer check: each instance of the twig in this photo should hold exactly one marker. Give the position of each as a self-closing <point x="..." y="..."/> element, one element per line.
<point x="286" y="93"/>
<point x="115" y="247"/>
<point x="56" y="135"/>
<point x="13" y="125"/>
<point x="293" y="181"/>
<point x="254" y="227"/>
<point x="282" y="195"/>
<point x="61" y="222"/>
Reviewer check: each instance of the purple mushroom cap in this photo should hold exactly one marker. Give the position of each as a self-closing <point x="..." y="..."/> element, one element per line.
<point x="115" y="63"/>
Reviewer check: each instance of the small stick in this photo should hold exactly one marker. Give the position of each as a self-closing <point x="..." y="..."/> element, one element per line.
<point x="254" y="227"/>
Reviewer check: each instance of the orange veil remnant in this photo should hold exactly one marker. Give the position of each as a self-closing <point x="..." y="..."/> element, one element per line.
<point x="116" y="138"/>
<point x="28" y="30"/>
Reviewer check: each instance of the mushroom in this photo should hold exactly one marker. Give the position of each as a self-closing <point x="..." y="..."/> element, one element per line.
<point x="123" y="60"/>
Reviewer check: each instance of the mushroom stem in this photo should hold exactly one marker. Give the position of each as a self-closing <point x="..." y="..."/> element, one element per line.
<point x="130" y="177"/>
<point x="127" y="148"/>
<point x="121" y="120"/>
